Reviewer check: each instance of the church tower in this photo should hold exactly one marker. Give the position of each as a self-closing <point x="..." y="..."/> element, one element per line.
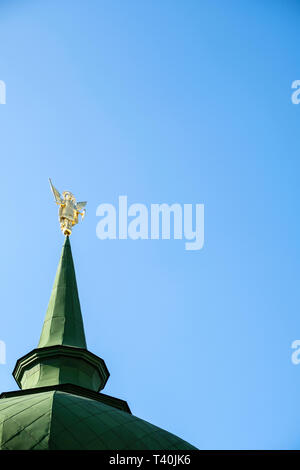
<point x="60" y="405"/>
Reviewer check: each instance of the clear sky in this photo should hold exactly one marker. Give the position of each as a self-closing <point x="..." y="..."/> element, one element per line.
<point x="163" y="101"/>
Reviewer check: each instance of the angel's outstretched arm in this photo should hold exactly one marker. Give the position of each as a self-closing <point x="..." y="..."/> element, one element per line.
<point x="81" y="205"/>
<point x="80" y="208"/>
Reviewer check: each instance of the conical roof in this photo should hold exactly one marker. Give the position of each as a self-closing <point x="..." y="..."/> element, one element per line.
<point x="63" y="323"/>
<point x="62" y="356"/>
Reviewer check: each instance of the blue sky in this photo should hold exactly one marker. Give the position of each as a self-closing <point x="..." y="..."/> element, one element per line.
<point x="162" y="101"/>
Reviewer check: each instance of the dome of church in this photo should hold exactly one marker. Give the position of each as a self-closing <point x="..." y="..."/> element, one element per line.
<point x="59" y="420"/>
<point x="60" y="405"/>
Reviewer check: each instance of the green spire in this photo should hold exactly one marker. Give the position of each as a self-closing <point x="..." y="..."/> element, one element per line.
<point x="62" y="356"/>
<point x="63" y="323"/>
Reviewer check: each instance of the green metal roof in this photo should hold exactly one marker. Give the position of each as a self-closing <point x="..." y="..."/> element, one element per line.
<point x="57" y="420"/>
<point x="63" y="323"/>
<point x="59" y="406"/>
<point x="61" y="356"/>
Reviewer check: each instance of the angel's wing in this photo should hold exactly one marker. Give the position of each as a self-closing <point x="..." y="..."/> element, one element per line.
<point x="56" y="193"/>
<point x="81" y="205"/>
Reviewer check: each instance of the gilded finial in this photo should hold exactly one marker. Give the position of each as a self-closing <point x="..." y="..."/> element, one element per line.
<point x="68" y="209"/>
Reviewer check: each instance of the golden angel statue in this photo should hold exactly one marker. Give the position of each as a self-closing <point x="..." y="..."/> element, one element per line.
<point x="68" y="209"/>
